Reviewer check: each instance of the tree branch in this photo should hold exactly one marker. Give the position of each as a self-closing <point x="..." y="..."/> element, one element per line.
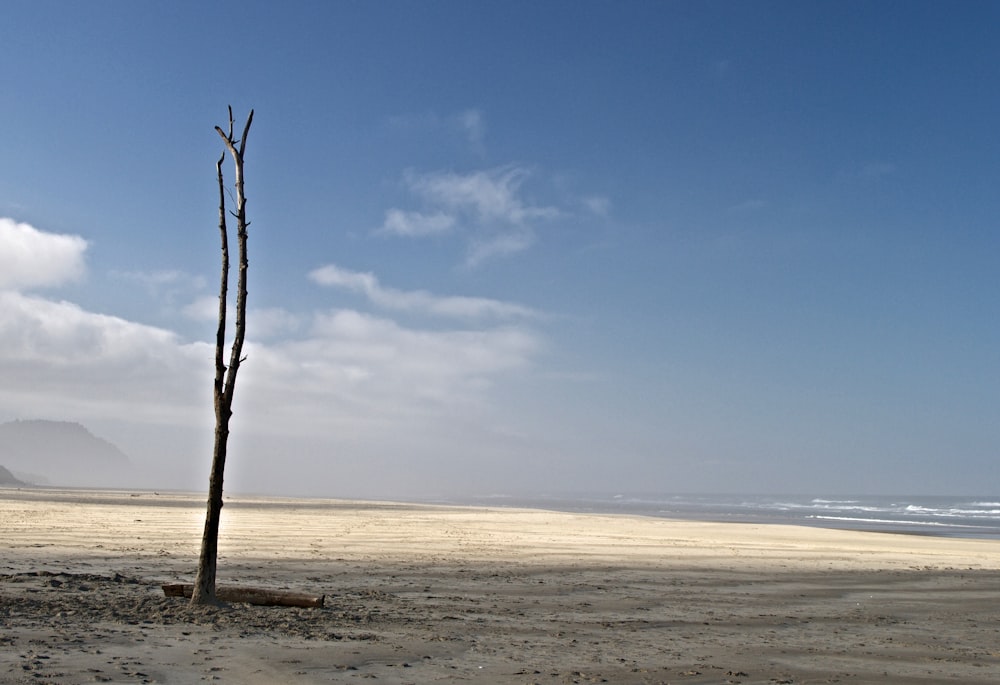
<point x="246" y="130"/>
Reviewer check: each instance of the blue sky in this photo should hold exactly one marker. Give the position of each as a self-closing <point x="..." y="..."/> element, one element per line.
<point x="514" y="246"/>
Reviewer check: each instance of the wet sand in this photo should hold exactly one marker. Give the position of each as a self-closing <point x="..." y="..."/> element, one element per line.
<point x="422" y="594"/>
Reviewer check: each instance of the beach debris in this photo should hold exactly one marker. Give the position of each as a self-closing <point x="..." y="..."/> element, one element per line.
<point x="249" y="595"/>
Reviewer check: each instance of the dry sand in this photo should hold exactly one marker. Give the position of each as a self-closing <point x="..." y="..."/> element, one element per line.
<point x="420" y="594"/>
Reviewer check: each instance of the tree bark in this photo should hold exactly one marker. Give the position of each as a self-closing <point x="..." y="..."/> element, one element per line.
<point x="225" y="378"/>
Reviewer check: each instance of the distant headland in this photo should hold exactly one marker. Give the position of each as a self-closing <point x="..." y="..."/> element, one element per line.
<point x="44" y="452"/>
<point x="7" y="478"/>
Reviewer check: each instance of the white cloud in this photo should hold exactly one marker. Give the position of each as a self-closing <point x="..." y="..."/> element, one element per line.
<point x="416" y="224"/>
<point x="56" y="357"/>
<point x="35" y="328"/>
<point x="31" y="258"/>
<point x="271" y="322"/>
<point x="357" y="281"/>
<point x="419" y="301"/>
<point x="205" y="308"/>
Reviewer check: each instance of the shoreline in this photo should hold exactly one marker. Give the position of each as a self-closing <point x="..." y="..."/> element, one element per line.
<point x="937" y="516"/>
<point x="430" y="593"/>
<point x="946" y="525"/>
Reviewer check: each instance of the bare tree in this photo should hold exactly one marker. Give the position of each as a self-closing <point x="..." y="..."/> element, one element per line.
<point x="225" y="378"/>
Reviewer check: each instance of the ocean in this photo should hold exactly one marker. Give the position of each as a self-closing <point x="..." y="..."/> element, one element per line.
<point x="965" y="517"/>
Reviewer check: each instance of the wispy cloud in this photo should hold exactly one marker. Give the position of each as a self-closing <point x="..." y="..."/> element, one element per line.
<point x="598" y="205"/>
<point x="473" y="124"/>
<point x="490" y="195"/>
<point x="417" y="301"/>
<point x="488" y="205"/>
<point x="30" y="258"/>
<point x="501" y="244"/>
<point x="416" y="224"/>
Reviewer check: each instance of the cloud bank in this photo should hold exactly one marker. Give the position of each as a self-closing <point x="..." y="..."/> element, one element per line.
<point x="342" y="376"/>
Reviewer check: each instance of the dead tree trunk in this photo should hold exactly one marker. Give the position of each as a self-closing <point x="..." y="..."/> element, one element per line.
<point x="225" y="378"/>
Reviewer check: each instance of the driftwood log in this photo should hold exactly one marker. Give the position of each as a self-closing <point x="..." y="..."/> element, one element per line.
<point x="250" y="595"/>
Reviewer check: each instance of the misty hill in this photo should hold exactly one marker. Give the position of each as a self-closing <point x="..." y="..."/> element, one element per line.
<point x="61" y="453"/>
<point x="7" y="478"/>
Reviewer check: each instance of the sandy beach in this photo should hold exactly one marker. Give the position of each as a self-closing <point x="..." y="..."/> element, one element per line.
<point x="423" y="594"/>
